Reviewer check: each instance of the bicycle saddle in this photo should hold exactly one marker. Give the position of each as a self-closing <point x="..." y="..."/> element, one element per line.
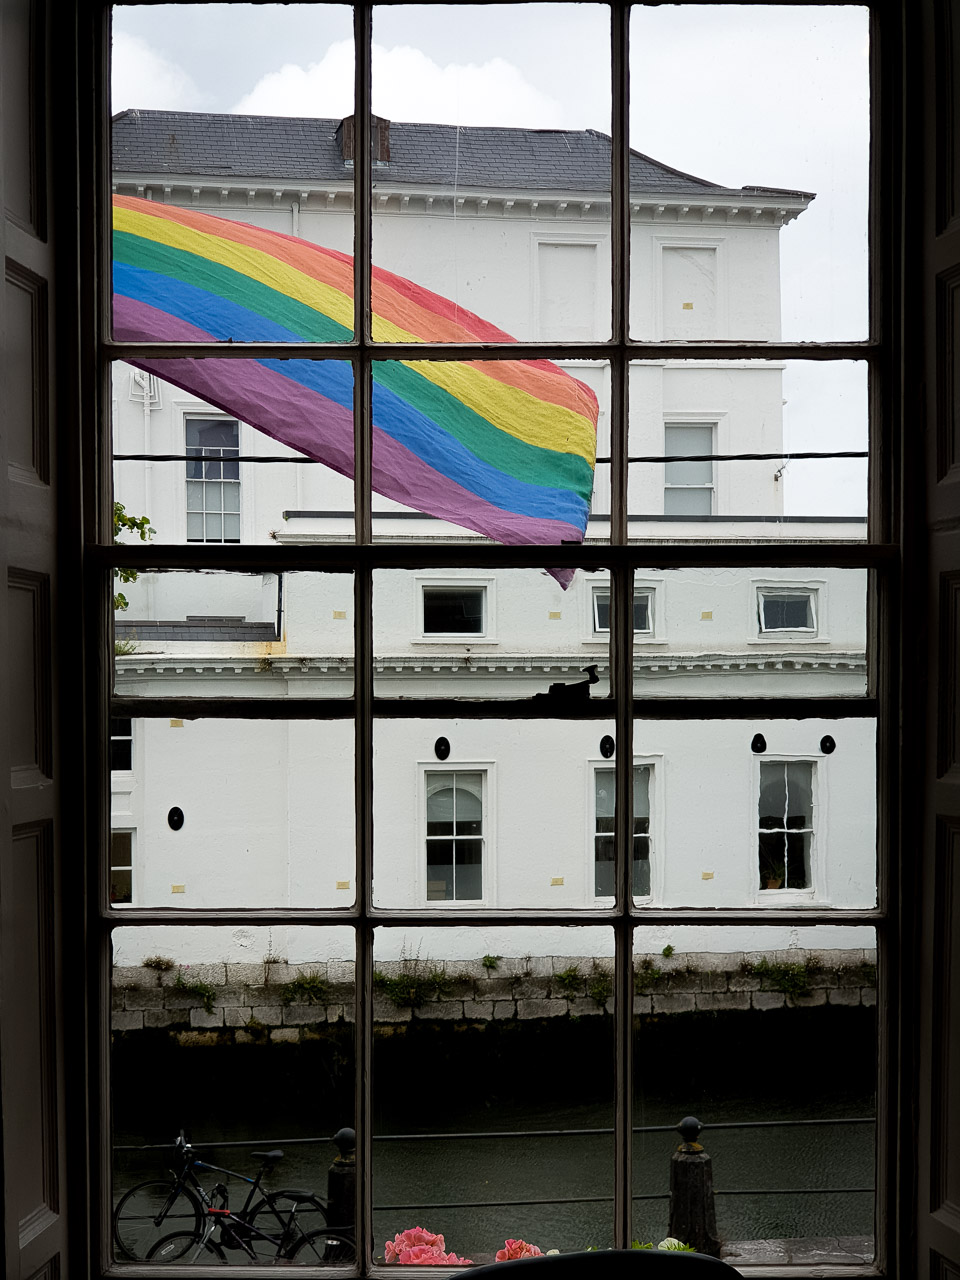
<point x="272" y="1156"/>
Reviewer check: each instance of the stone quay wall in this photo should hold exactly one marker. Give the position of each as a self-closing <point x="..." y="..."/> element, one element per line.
<point x="276" y="1002"/>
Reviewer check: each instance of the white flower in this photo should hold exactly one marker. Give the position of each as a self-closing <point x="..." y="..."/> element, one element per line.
<point x="671" y="1242"/>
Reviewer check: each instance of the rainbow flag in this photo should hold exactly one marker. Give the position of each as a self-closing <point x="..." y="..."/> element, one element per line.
<point x="505" y="448"/>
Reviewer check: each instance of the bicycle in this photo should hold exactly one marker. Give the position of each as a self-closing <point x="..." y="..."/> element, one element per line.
<point x="273" y="1226"/>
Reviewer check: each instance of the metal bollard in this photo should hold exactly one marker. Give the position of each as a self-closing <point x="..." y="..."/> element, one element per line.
<point x="342" y="1182"/>
<point x="693" y="1217"/>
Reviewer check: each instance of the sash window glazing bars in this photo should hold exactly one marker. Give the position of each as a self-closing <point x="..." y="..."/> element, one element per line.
<point x="621" y="559"/>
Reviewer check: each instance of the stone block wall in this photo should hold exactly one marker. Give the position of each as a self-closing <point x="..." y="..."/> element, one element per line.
<point x="282" y="1003"/>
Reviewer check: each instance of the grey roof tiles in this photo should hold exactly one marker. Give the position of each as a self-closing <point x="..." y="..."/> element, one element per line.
<point x="295" y="149"/>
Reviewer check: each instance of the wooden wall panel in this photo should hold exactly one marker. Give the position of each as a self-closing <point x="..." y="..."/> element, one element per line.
<point x="30" y="713"/>
<point x="29" y="998"/>
<point x="24" y="409"/>
<point x="941" y="1269"/>
<point x="23" y="92"/>
<point x="948" y="726"/>
<point x="945" y="1055"/>
<point x="948" y="372"/>
<point x="947" y="22"/>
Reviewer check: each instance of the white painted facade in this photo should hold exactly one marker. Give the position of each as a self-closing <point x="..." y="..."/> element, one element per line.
<point x="268" y="806"/>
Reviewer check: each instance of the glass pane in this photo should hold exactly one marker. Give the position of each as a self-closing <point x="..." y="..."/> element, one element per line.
<point x="121" y="886"/>
<point x="240" y="813"/>
<point x="234" y="224"/>
<point x="786" y="612"/>
<point x="789" y="443"/>
<point x="726" y="830"/>
<point x="539" y="634"/>
<point x="250" y="634"/>
<point x="792" y="1167"/>
<point x="193" y="1001"/>
<point x="491" y="172"/>
<point x="292" y="480"/>
<point x="461" y="817"/>
<point x="706" y="639"/>
<point x="476" y="1155"/>
<point x="760" y="231"/>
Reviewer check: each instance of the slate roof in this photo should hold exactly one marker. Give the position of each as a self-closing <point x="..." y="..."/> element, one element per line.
<point x="306" y="150"/>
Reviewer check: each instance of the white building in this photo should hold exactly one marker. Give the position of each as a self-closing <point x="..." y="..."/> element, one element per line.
<point x="513" y="225"/>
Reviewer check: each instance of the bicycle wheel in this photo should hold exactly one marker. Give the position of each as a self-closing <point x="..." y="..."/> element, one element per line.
<point x="185" y="1249"/>
<point x="325" y="1246"/>
<point x="150" y="1211"/>
<point x="285" y="1217"/>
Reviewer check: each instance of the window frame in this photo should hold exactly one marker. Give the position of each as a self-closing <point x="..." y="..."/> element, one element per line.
<point x="487" y="771"/>
<point x="124" y="866"/>
<point x="187" y="417"/>
<point x="812" y="594"/>
<point x="648" y="633"/>
<point x="813" y="892"/>
<point x="654" y="763"/>
<point x="880" y="555"/>
<point x="486" y="635"/>
<point x="711" y="421"/>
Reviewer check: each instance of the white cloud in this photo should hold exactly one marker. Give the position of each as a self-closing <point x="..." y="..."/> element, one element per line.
<point x="407" y="85"/>
<point x="143" y="78"/>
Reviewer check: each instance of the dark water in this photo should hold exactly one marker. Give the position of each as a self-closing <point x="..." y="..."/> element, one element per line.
<point x="478" y="1191"/>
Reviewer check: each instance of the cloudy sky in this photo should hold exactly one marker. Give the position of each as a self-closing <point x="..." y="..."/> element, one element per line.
<point x="748" y="95"/>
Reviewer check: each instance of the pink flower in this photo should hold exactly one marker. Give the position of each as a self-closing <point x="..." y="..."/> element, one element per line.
<point x="517" y="1249"/>
<point x="422" y="1255"/>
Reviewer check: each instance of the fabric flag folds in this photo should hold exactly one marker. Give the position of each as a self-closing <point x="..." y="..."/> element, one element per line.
<point x="505" y="448"/>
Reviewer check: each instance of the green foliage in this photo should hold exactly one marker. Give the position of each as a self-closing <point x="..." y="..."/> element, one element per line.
<point x="124" y="523"/>
<point x="307" y="988"/>
<point x="569" y="981"/>
<point x="202" y="990"/>
<point x="413" y="987"/>
<point x="791" y="979"/>
<point x="599" y="984"/>
<point x="667" y="951"/>
<point x="646" y="975"/>
<point x="491" y="962"/>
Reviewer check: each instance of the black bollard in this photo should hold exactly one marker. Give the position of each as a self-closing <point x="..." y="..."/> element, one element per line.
<point x="342" y="1182"/>
<point x="693" y="1217"/>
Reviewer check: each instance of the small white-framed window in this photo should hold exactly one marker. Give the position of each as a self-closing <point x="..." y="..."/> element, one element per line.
<point x="453" y="609"/>
<point x="213" y="479"/>
<point x="455" y="841"/>
<point x="788" y="609"/>
<point x="786" y="825"/>
<point x="643" y="601"/>
<point x="688" y="487"/>
<point x="121" y="744"/>
<point x="604" y="809"/>
<point x="121" y="868"/>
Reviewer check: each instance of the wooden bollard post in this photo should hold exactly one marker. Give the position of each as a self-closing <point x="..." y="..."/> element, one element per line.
<point x="693" y="1217"/>
<point x="342" y="1182"/>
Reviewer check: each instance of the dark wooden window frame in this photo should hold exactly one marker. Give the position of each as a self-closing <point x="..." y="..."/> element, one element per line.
<point x="880" y="555"/>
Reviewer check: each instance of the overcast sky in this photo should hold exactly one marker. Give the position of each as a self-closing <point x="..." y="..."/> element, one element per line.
<point x="742" y="96"/>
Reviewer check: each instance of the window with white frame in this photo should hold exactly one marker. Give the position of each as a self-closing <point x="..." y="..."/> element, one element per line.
<point x="213" y="479"/>
<point x="121" y="744"/>
<point x="455" y="839"/>
<point x="642" y="610"/>
<point x="688" y="486"/>
<point x="785" y="824"/>
<point x="604" y="785"/>
<point x="453" y="610"/>
<point x="121" y="868"/>
<point x="786" y="610"/>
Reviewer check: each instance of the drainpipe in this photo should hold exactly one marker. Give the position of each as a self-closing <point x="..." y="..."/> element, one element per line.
<point x="279" y="606"/>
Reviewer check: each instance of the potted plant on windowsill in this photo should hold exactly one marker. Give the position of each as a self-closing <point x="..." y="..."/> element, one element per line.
<point x="773" y="873"/>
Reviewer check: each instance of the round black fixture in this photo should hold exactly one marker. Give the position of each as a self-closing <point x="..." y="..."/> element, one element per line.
<point x="441" y="748"/>
<point x="827" y="745"/>
<point x="759" y="744"/>
<point x="607" y="746"/>
<point x="175" y="819"/>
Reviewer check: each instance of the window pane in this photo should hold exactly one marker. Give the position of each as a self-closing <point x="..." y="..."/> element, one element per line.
<point x="241" y="813"/>
<point x="687" y="502"/>
<point x="752" y="995"/>
<point x="448" y="996"/>
<point x="762" y="231"/>
<point x="459" y="816"/>
<point x="250" y="634"/>
<point x="291" y="478"/>
<point x="786" y="612"/>
<point x="205" y="242"/>
<point x="500" y="205"/>
<point x="497" y="634"/>
<point x="805" y="789"/>
<point x="762" y="420"/>
<point x="285" y="995"/>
